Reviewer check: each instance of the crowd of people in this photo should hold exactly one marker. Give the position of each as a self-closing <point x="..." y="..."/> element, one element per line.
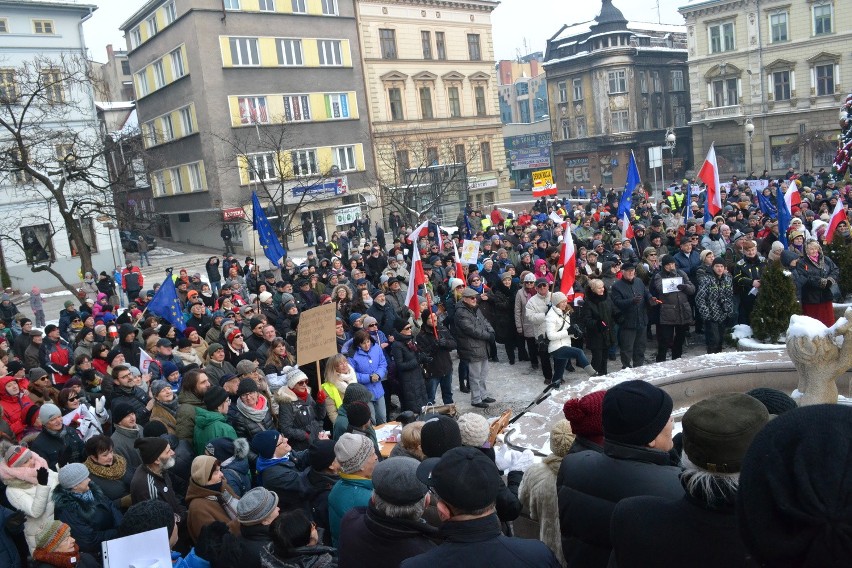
<point x="249" y="459"/>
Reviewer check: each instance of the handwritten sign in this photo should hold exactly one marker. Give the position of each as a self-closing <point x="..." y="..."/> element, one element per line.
<point x="469" y="252"/>
<point x="671" y="284"/>
<point x="315" y="337"/>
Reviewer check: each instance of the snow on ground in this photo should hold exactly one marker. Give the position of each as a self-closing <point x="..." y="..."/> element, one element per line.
<point x="741" y="331"/>
<point x="164" y="252"/>
<point x="749" y="344"/>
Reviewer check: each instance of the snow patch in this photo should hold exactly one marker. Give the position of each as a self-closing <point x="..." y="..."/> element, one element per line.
<point x="163" y="251"/>
<point x="53" y="294"/>
<point x="742" y="331"/>
<point x="807" y="327"/>
<point x="749" y="344"/>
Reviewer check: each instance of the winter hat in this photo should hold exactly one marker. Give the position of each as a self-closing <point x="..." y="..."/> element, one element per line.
<point x="47" y="412"/>
<point x="775" y="401"/>
<point x="584" y="415"/>
<point x="358" y="413"/>
<point x="120" y="410"/>
<point x="36" y="373"/>
<point x="464" y="477"/>
<point x="146" y="516"/>
<point x="253" y="323"/>
<point x="793" y="504"/>
<point x="439" y="434"/>
<point x="214" y="397"/>
<point x="264" y="297"/>
<point x="167" y="369"/>
<point x="51" y="535"/>
<point x="400" y="324"/>
<point x="202" y="469"/>
<point x="561" y="438"/>
<point x="295" y="375"/>
<point x="703" y="254"/>
<point x="352" y="451"/>
<point x="30" y="414"/>
<point x="718" y="260"/>
<point x="246" y="366"/>
<point x="158" y="386"/>
<point x="247" y="386"/>
<point x="213" y="348"/>
<point x="357" y="391"/>
<point x="718" y="430"/>
<point x="150" y="448"/>
<point x="635" y="412"/>
<point x="17" y="456"/>
<point x="72" y="475"/>
<point x="369" y="320"/>
<point x="455" y="283"/>
<point x="264" y="443"/>
<point x="13" y="367"/>
<point x="321" y="454"/>
<point x="558" y="297"/>
<point x="223" y="449"/>
<point x="353" y="317"/>
<point x="473" y="429"/>
<point x="667" y="259"/>
<point x="255" y="505"/>
<point x="154" y="429"/>
<point x="233" y="335"/>
<point x="395" y="481"/>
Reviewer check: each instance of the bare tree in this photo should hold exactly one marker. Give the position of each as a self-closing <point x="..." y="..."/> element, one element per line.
<point x="53" y="157"/>
<point x="426" y="176"/>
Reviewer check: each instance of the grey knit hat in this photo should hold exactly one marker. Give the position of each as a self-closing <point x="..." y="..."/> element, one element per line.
<point x="157" y="386"/>
<point x="357" y="392"/>
<point x="17" y="456"/>
<point x="352" y="450"/>
<point x="256" y="505"/>
<point x="47" y="412"/>
<point x="72" y="475"/>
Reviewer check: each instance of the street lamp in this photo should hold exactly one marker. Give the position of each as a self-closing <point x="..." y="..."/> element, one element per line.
<point x="749" y="128"/>
<point x="671" y="141"/>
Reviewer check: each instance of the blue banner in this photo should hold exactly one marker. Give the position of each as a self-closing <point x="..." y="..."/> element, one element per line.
<point x="165" y="304"/>
<point x="271" y="245"/>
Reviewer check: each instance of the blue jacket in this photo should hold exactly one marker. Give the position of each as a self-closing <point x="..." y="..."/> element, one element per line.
<point x="8" y="551"/>
<point x="348" y="493"/>
<point x="366" y="363"/>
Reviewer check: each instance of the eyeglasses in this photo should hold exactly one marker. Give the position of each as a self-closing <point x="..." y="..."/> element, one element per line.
<point x="373" y="325"/>
<point x="302" y="383"/>
<point x="542" y="285"/>
<point x="237" y="336"/>
<point x="406" y="327"/>
<point x="125" y="377"/>
<point x="73" y="398"/>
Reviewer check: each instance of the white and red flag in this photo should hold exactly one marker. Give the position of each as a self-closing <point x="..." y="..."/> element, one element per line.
<point x="838" y="216"/>
<point x="709" y="174"/>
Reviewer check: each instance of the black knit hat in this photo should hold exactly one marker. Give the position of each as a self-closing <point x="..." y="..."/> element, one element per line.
<point x="154" y="429"/>
<point x="775" y="401"/>
<point x="794" y="504"/>
<point x="247" y="386"/>
<point x="147" y="516"/>
<point x="358" y="413"/>
<point x="357" y="391"/>
<point x="321" y="454"/>
<point x="635" y="412"/>
<point x="439" y="435"/>
<point x="214" y="396"/>
<point x="667" y="259"/>
<point x="120" y="410"/>
<point x="150" y="448"/>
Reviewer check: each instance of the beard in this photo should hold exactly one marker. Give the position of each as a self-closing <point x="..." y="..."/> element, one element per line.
<point x="168" y="464"/>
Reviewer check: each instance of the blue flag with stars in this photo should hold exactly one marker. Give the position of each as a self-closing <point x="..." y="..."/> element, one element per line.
<point x="165" y="304"/>
<point x="271" y="245"/>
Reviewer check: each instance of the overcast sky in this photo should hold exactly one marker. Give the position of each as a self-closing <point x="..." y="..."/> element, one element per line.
<point x="514" y="21"/>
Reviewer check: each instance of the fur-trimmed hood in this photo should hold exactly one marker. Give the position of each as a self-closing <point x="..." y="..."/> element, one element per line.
<point x="285" y="394"/>
<point x="64" y="499"/>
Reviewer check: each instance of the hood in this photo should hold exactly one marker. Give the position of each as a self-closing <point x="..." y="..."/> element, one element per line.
<point x="101" y="296"/>
<point x="205" y="418"/>
<point x="125" y="330"/>
<point x="539" y="262"/>
<point x="196" y="491"/>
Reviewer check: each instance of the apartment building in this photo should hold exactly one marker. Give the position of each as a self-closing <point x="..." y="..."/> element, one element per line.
<point x="765" y="81"/>
<point x="242" y="95"/>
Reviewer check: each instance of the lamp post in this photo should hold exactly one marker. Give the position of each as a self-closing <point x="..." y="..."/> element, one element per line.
<point x="749" y="128"/>
<point x="671" y="141"/>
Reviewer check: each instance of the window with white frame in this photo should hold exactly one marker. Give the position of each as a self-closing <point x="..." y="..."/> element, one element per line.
<point x="778" y="27"/>
<point x="344" y="158"/>
<point x="337" y="105"/>
<point x="153" y="28"/>
<point x="473" y="48"/>
<point x="562" y="87"/>
<point x="824" y="75"/>
<point x="677" y="80"/>
<point x="177" y="181"/>
<point x="566" y="129"/>
<point x="387" y="43"/>
<point x="289" y="52"/>
<point x="232" y="4"/>
<point x="823" y="18"/>
<point x="581" y="127"/>
<point x="479" y="101"/>
<point x="721" y="37"/>
<point x="261" y="167"/>
<point x="159" y="74"/>
<point x="253" y="110"/>
<point x="8" y="86"/>
<point x="297" y="108"/>
<point x="396" y="106"/>
<point x="440" y="46"/>
<point x="135" y="37"/>
<point x="725" y="92"/>
<point x="329" y="7"/>
<point x="178" y="70"/>
<point x="266" y="5"/>
<point x="329" y="52"/>
<point x="577" y="87"/>
<point x="485" y="156"/>
<point x="196" y="181"/>
<point x="4" y="26"/>
<point x="52" y="84"/>
<point x="186" y="120"/>
<point x="167" y="128"/>
<point x="426" y="41"/>
<point x="244" y="51"/>
<point x="617" y="81"/>
<point x="620" y="121"/>
<point x="142" y="82"/>
<point x="37" y="241"/>
<point x="781" y="90"/>
<point x="299" y="7"/>
<point x="44" y="27"/>
<point x="171" y="12"/>
<point x="158" y="181"/>
<point x="454" y="100"/>
<point x="304" y="162"/>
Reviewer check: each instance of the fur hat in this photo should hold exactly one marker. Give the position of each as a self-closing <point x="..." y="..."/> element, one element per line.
<point x="225" y="449"/>
<point x="584" y="415"/>
<point x="352" y="451"/>
<point x="473" y="429"/>
<point x="561" y="438"/>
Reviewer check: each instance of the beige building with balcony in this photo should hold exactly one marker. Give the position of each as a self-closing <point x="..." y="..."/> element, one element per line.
<point x="432" y="97"/>
<point x="773" y="63"/>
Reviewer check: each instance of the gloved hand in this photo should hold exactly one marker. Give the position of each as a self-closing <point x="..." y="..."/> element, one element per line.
<point x="491" y="336"/>
<point x="636" y="299"/>
<point x="508" y="459"/>
<point x="100" y="403"/>
<point x="41" y="475"/>
<point x="579" y="302"/>
<point x="321" y="396"/>
<point x="681" y="287"/>
<point x="823" y="282"/>
<point x="831" y="282"/>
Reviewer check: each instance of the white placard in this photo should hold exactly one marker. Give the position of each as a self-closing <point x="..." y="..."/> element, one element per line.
<point x="469" y="252"/>
<point x="149" y="548"/>
<point x="671" y="284"/>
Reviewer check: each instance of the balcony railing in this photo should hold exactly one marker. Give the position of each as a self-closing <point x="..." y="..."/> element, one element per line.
<point x="723" y="112"/>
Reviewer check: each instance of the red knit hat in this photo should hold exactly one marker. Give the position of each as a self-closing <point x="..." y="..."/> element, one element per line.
<point x="233" y="334"/>
<point x="584" y="414"/>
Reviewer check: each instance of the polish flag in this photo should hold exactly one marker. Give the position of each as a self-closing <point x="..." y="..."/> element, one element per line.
<point x="459" y="268"/>
<point x="792" y="196"/>
<point x="416" y="279"/>
<point x="568" y="261"/>
<point x="421" y="230"/>
<point x="709" y="174"/>
<point x="626" y="226"/>
<point x="836" y="218"/>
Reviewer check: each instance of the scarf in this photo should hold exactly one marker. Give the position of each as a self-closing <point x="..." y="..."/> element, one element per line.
<point x="253" y="414"/>
<point x="264" y="464"/>
<point x="172" y="406"/>
<point x="88" y="496"/>
<point x="112" y="472"/>
<point x="59" y="559"/>
<point x="303" y="396"/>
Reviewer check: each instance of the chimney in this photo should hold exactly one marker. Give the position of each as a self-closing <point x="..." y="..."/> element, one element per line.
<point x="109" y="51"/>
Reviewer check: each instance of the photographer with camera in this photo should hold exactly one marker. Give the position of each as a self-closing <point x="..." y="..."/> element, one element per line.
<point x="536" y="311"/>
<point x="560" y="332"/>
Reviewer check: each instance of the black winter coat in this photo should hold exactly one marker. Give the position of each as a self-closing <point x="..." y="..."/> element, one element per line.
<point x="745" y="272"/>
<point x="675" y="309"/>
<point x="136" y="398"/>
<point x="299" y="420"/>
<point x="598" y="316"/>
<point x="366" y="533"/>
<point x="472" y="333"/>
<point x="385" y="316"/>
<point x="502" y="314"/>
<point x="813" y="276"/>
<point x="438" y="349"/>
<point x="66" y="446"/>
<point x="245" y="427"/>
<point x="590" y="484"/>
<point x="409" y="374"/>
<point x="91" y="522"/>
<point x="624" y="294"/>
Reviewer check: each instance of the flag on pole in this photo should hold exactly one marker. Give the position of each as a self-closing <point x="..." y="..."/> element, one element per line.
<point x="467" y="228"/>
<point x="632" y="175"/>
<point x="709" y="174"/>
<point x="837" y="217"/>
<point x="165" y="303"/>
<point x="784" y="217"/>
<point x="568" y="261"/>
<point x="416" y="279"/>
<point x="268" y="241"/>
<point x="458" y="264"/>
<point x="421" y="230"/>
<point x="626" y="201"/>
<point x="792" y="196"/>
<point x="145" y="361"/>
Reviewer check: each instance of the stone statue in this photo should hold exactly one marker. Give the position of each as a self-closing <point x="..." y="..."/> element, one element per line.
<point x="821" y="355"/>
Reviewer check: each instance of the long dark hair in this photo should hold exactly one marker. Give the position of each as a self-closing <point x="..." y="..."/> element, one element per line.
<point x="291" y="530"/>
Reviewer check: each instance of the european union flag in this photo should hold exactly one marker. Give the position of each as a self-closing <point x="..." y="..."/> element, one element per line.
<point x="784" y="217"/>
<point x="165" y="304"/>
<point x="632" y="181"/>
<point x="271" y="245"/>
<point x="467" y="228"/>
<point x="766" y="206"/>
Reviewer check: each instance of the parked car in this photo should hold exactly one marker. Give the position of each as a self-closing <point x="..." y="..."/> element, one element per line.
<point x="129" y="240"/>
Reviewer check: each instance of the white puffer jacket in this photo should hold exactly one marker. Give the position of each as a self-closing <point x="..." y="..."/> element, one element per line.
<point x="26" y="495"/>
<point x="557" y="323"/>
<point x="536" y="309"/>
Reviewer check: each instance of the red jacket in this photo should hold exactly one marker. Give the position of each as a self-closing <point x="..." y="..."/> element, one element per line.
<point x="125" y="272"/>
<point x="14" y="407"/>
